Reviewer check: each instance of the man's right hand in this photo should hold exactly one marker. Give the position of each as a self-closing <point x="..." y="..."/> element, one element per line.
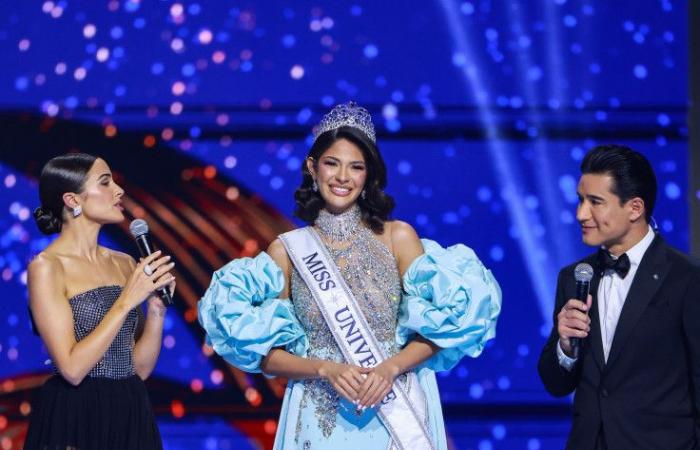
<point x="573" y="321"/>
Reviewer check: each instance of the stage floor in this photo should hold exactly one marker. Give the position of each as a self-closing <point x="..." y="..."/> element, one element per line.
<point x="530" y="434"/>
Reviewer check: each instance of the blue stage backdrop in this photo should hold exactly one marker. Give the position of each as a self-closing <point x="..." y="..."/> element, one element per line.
<point x="484" y="111"/>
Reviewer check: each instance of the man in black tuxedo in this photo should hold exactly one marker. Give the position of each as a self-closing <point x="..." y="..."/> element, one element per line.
<point x="638" y="370"/>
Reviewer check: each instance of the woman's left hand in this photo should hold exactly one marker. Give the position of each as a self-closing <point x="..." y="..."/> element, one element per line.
<point x="155" y="304"/>
<point x="378" y="384"/>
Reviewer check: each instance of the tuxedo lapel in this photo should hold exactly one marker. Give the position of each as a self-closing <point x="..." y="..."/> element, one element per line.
<point x="650" y="274"/>
<point x="595" y="339"/>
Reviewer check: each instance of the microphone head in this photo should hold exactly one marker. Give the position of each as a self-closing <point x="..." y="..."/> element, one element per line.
<point x="583" y="273"/>
<point x="138" y="227"/>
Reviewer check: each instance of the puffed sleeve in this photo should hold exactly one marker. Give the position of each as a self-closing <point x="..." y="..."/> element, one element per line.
<point x="451" y="299"/>
<point x="243" y="316"/>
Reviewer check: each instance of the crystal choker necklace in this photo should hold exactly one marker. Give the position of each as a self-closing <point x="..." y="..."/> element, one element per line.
<point x="339" y="227"/>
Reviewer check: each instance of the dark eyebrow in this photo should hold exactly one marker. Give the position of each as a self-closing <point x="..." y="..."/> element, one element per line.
<point x="108" y="175"/>
<point x="589" y="196"/>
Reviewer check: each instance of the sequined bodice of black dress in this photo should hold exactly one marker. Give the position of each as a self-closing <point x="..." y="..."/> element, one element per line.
<point x="110" y="408"/>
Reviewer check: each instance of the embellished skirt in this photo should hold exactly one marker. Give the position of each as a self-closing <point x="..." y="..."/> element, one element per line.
<point x="99" y="413"/>
<point x="314" y="418"/>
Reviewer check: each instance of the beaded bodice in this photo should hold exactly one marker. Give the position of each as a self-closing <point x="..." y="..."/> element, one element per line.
<point x="370" y="271"/>
<point x="89" y="308"/>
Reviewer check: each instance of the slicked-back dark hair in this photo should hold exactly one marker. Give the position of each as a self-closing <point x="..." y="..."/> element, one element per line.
<point x="65" y="173"/>
<point x="631" y="173"/>
<point x="377" y="204"/>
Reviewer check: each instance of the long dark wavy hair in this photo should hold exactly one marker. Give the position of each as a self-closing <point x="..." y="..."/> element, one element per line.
<point x="66" y="173"/>
<point x="376" y="206"/>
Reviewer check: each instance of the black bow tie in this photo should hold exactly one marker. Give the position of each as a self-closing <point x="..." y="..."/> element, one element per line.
<point x="620" y="265"/>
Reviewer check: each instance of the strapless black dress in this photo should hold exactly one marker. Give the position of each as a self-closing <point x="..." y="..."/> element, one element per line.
<point x="110" y="408"/>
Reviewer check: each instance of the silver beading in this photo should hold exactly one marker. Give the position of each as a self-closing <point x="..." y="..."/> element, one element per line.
<point x="348" y="114"/>
<point x="339" y="227"/>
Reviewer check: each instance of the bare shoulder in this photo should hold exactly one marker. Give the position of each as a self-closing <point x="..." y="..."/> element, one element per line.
<point x="278" y="253"/>
<point x="45" y="265"/>
<point x="45" y="272"/>
<point x="402" y="233"/>
<point x="405" y="243"/>
<point x="276" y="249"/>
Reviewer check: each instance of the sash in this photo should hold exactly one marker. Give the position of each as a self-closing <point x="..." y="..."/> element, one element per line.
<point x="403" y="410"/>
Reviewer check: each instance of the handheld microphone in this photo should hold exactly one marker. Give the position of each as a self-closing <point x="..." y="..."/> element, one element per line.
<point x="139" y="230"/>
<point x="583" y="273"/>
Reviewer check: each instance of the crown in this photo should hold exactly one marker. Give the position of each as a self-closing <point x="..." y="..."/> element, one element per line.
<point x="347" y="115"/>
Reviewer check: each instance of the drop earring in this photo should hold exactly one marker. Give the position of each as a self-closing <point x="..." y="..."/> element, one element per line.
<point x="78" y="210"/>
<point x="314" y="186"/>
<point x="364" y="194"/>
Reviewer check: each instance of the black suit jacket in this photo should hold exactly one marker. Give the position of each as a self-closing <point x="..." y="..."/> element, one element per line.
<point x="645" y="396"/>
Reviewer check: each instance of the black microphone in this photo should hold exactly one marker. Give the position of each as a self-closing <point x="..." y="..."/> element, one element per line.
<point x="583" y="273"/>
<point x="139" y="230"/>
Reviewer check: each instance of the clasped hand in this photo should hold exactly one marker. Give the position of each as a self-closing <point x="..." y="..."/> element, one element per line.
<point x="364" y="387"/>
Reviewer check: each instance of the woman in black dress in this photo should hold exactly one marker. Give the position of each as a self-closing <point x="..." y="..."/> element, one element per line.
<point x="85" y="301"/>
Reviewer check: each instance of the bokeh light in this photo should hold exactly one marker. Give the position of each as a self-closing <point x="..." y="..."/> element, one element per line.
<point x="483" y="110"/>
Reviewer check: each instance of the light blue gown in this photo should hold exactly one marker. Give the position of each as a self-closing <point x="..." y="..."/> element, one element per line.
<point x="447" y="296"/>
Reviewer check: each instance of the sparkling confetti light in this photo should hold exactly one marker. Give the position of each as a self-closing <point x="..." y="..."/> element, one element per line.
<point x="200" y="77"/>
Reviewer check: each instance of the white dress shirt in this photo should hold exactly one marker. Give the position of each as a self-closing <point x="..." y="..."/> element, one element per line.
<point x="612" y="293"/>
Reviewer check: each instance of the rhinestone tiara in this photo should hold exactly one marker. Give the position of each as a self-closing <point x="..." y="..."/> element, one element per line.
<point x="348" y="114"/>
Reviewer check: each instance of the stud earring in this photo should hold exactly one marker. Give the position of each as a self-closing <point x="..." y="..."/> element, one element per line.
<point x="78" y="210"/>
